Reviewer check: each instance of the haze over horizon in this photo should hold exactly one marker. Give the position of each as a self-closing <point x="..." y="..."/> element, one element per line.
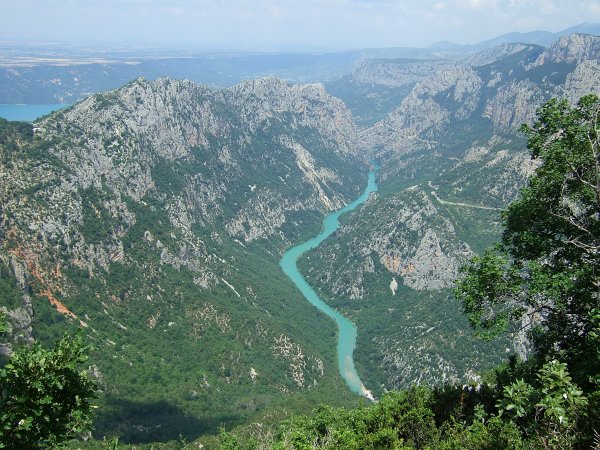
<point x="284" y="24"/>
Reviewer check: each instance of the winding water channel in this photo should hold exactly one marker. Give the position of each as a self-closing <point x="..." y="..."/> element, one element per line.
<point x="346" y="329"/>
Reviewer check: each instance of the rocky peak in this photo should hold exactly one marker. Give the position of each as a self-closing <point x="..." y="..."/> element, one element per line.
<point x="307" y="105"/>
<point x="494" y="54"/>
<point x="119" y="135"/>
<point x="395" y="71"/>
<point x="204" y="155"/>
<point x="574" y="48"/>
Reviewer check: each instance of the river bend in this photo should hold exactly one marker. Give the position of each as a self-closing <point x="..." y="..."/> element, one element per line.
<point x="346" y="329"/>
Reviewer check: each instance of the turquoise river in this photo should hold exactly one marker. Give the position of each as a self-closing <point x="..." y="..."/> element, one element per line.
<point x="346" y="329"/>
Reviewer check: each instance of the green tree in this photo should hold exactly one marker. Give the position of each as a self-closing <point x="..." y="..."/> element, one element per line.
<point x="547" y="411"/>
<point x="545" y="273"/>
<point x="44" y="398"/>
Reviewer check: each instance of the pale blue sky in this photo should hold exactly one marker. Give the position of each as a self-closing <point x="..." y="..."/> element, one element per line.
<point x="331" y="24"/>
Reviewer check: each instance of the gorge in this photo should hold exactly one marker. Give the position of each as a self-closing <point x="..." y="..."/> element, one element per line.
<point x="159" y="215"/>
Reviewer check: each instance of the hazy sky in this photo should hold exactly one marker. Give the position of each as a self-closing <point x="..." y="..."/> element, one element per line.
<point x="321" y="23"/>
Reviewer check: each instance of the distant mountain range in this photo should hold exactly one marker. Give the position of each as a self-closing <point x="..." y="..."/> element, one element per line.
<point x="43" y="75"/>
<point x="539" y="37"/>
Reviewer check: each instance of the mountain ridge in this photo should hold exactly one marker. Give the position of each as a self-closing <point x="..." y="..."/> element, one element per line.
<point x="44" y="77"/>
<point x="537" y="37"/>
<point x="157" y="213"/>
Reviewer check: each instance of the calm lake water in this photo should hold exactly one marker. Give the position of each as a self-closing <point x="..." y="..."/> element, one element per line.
<point x="346" y="329"/>
<point x="28" y="113"/>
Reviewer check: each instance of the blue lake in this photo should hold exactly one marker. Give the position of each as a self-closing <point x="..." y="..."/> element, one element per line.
<point x="346" y="329"/>
<point x="28" y="113"/>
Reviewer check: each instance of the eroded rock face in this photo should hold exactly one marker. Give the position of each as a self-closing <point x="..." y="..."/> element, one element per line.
<point x="575" y="48"/>
<point x="514" y="104"/>
<point x="497" y="88"/>
<point x="583" y="80"/>
<point x="423" y="115"/>
<point x="407" y="235"/>
<point x="128" y="143"/>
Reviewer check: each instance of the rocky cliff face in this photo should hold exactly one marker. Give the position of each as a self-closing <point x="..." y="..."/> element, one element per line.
<point x="407" y="236"/>
<point x="395" y="72"/>
<point x="160" y="209"/>
<point x="146" y="139"/>
<point x="452" y="93"/>
<point x="503" y="85"/>
<point x="575" y="48"/>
